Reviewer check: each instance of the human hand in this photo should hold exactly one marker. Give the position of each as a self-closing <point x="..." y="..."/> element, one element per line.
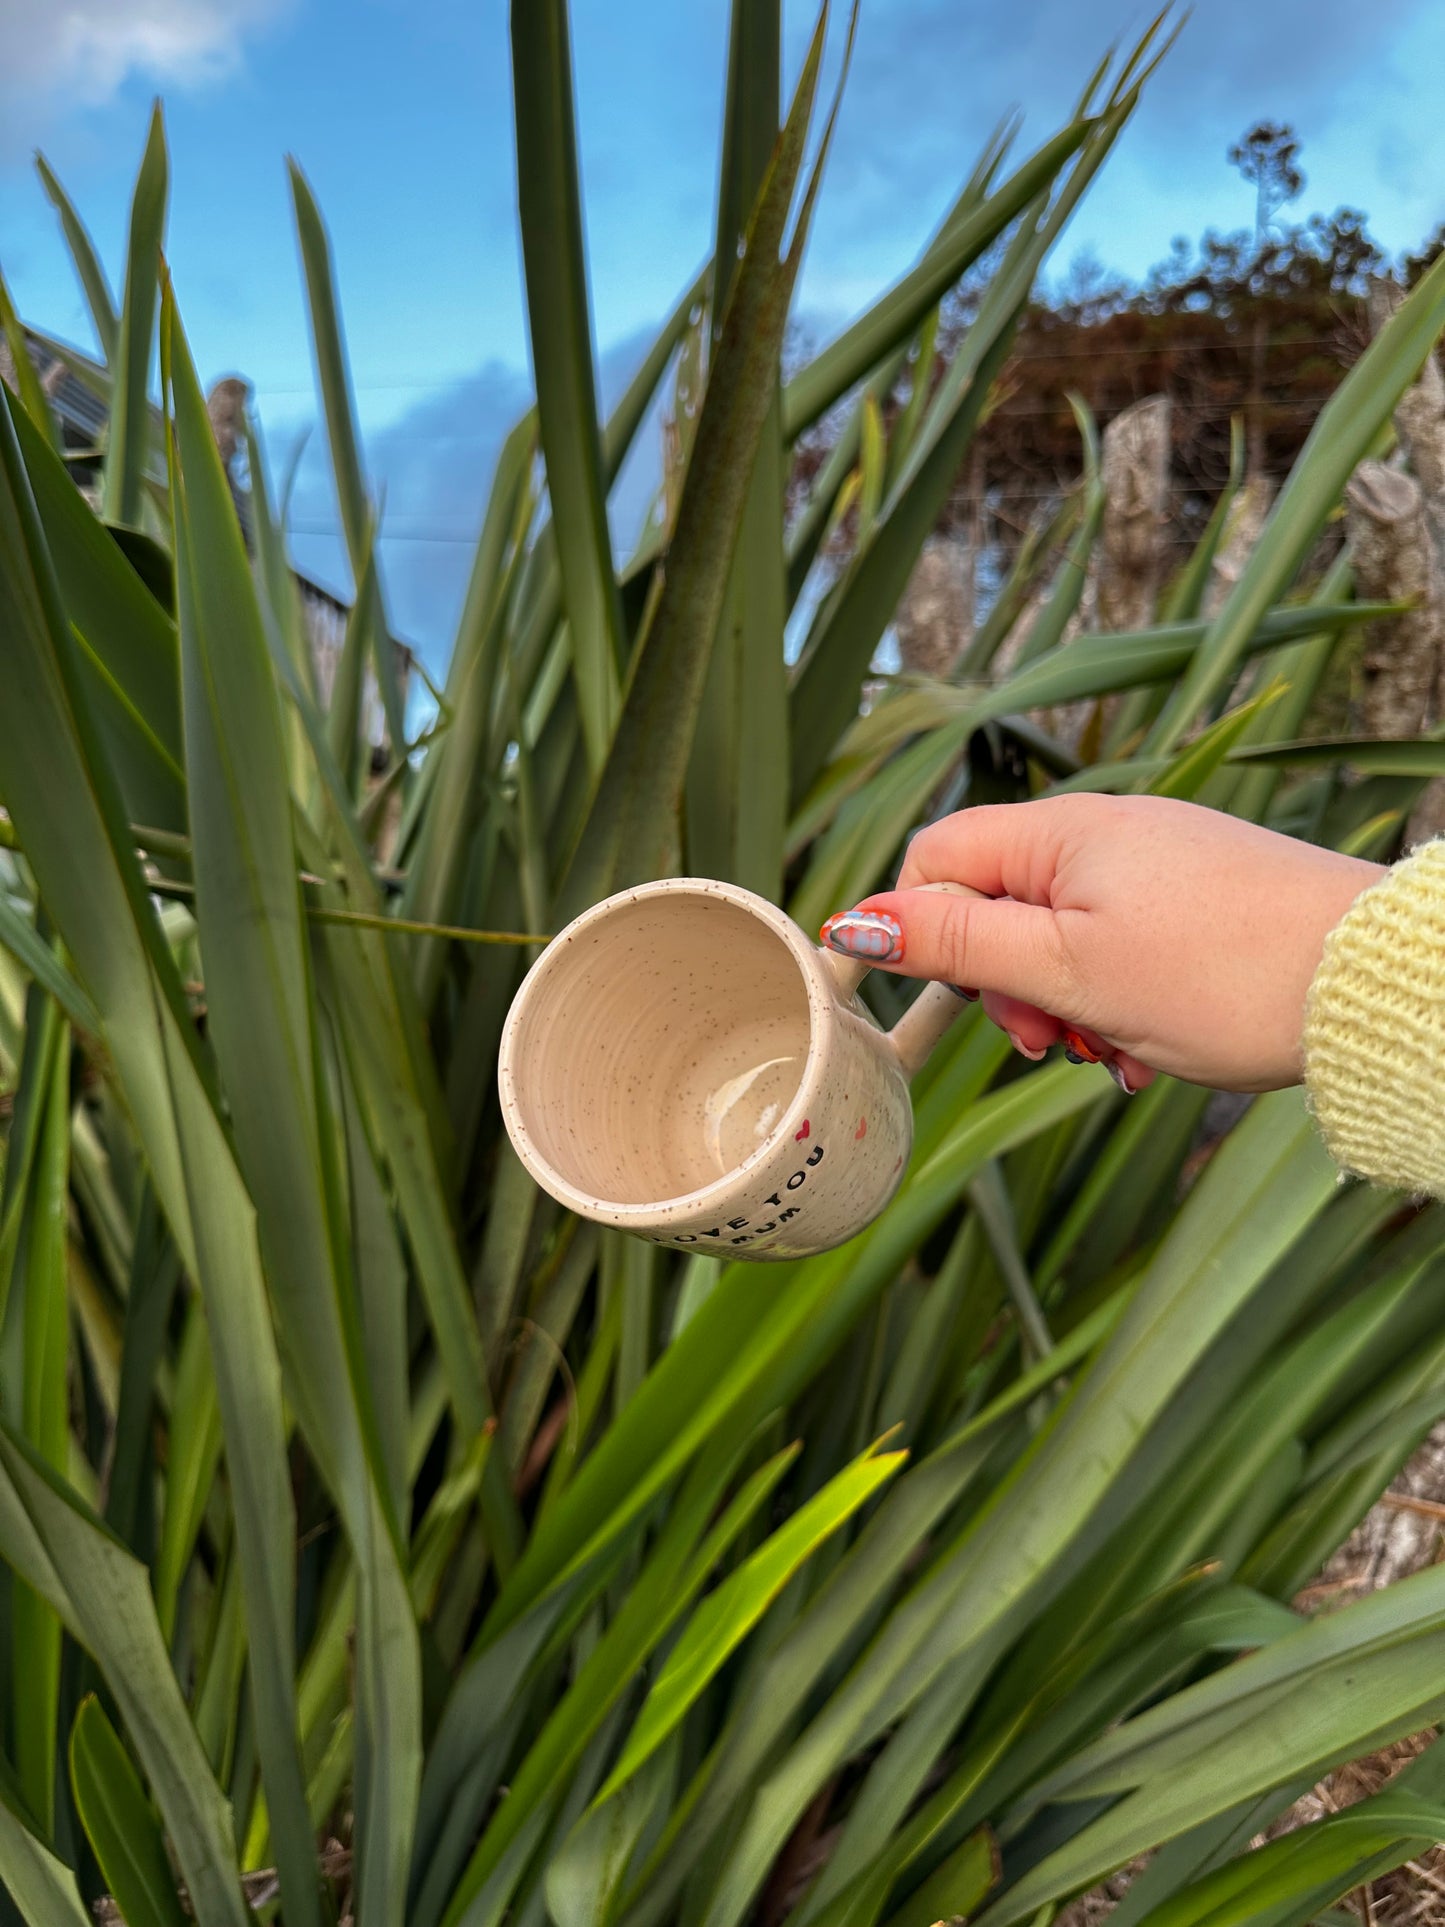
<point x="1154" y="934"/>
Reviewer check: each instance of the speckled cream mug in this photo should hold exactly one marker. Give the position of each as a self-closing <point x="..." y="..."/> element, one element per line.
<point x="682" y="1062"/>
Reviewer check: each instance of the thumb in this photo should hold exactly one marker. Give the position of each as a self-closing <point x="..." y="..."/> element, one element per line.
<point x="958" y="937"/>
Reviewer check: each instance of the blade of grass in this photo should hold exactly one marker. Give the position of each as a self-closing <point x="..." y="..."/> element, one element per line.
<point x="456" y="767"/>
<point x="1409" y="756"/>
<point x="827" y="502"/>
<point x="1033" y="552"/>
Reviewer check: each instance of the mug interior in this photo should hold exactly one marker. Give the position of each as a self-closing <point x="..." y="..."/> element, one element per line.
<point x="659" y="1047"/>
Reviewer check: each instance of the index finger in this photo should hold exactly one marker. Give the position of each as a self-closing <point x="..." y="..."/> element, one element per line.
<point x="1001" y="849"/>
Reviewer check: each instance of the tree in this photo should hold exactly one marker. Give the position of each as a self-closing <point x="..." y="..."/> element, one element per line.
<point x="1268" y="158"/>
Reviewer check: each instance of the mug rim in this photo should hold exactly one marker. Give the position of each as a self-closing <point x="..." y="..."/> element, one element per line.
<point x="824" y="992"/>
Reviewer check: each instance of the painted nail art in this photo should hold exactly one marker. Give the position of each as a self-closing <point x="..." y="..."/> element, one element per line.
<point x="968" y="996"/>
<point x="1034" y="1056"/>
<point x="1077" y="1051"/>
<point x="1119" y="1078"/>
<point x="870" y="936"/>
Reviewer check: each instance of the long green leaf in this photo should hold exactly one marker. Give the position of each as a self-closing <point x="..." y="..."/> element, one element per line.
<point x="825" y="692"/>
<point x="456" y="767"/>
<point x="890" y="322"/>
<point x="103" y="1595"/>
<point x="1365" y="1675"/>
<point x="848" y="630"/>
<point x="734" y="1609"/>
<point x="1409" y="756"/>
<point x="35" y="1630"/>
<point x="1048" y="631"/>
<point x="67" y="811"/>
<point x="1191" y="769"/>
<point x="871" y="825"/>
<point x="39" y="961"/>
<point x="248" y="906"/>
<point x="334" y="378"/>
<point x="737" y="782"/>
<point x="1343" y="434"/>
<point x="27" y="381"/>
<point x="540" y="590"/>
<point x="688" y="1549"/>
<point x="752" y="1343"/>
<point x="128" y="656"/>
<point x="1275" y="1178"/>
<point x="559" y="315"/>
<point x="99" y="298"/>
<point x="1288" y="1880"/>
<point x="631" y="825"/>
<point x="41" y="1886"/>
<point x="128" y="445"/>
<point x="193" y="1454"/>
<point x="119" y="1823"/>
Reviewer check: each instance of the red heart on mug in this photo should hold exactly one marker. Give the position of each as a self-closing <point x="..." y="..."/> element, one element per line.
<point x="798" y="1136"/>
<point x="862" y="1130"/>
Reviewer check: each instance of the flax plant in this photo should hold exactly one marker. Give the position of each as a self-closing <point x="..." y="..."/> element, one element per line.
<point x="379" y="1540"/>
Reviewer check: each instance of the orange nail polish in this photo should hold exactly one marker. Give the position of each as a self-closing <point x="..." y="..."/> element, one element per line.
<point x="1076" y="1048"/>
<point x="869" y="936"/>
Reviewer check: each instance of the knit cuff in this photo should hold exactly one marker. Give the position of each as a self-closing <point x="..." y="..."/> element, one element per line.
<point x="1374" y="1037"/>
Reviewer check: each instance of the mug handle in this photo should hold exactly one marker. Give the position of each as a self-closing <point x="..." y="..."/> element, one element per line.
<point x="930" y="1014"/>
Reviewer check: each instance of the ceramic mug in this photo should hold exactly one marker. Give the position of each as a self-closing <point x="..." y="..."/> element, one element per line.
<point x="682" y="1062"/>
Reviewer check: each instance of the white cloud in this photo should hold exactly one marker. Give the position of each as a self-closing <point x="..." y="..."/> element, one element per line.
<point x="56" y="54"/>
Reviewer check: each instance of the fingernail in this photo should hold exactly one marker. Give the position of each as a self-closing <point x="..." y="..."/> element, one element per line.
<point x="968" y="996"/>
<point x="1034" y="1056"/>
<point x="1077" y="1051"/>
<point x="871" y="936"/>
<point x="1119" y="1078"/>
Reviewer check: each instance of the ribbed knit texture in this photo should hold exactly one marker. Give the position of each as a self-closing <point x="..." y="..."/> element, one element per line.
<point x="1374" y="1038"/>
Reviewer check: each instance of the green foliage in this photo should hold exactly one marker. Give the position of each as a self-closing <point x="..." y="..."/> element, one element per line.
<point x="349" y="1488"/>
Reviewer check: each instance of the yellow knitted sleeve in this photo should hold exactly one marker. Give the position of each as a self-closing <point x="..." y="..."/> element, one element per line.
<point x="1374" y="1038"/>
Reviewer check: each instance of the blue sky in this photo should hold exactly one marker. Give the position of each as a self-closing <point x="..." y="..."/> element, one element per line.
<point x="400" y="112"/>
